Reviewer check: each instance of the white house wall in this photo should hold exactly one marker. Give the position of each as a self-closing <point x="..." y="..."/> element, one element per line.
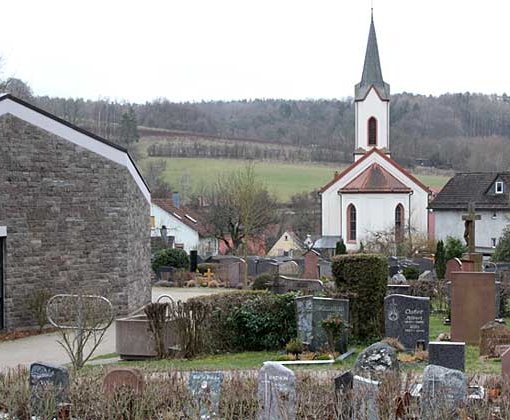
<point x="450" y="223"/>
<point x="183" y="234"/>
<point x="372" y="106"/>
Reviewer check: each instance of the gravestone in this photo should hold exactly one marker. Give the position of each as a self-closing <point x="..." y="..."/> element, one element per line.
<point x="505" y="364"/>
<point x="205" y="388"/>
<point x="447" y="354"/>
<point x="493" y="334"/>
<point x="398" y="278"/>
<point x="123" y="377"/>
<point x="285" y="284"/>
<point x="366" y="393"/>
<point x="427" y="275"/>
<point x="325" y="269"/>
<point x="468" y="290"/>
<point x="443" y="390"/>
<point x="47" y="382"/>
<point x="398" y="289"/>
<point x="452" y="265"/>
<point x="312" y="258"/>
<point x="252" y="266"/>
<point x="267" y="266"/>
<point x="343" y="382"/>
<point x="311" y="311"/>
<point x="231" y="273"/>
<point x="376" y="360"/>
<point x="289" y="268"/>
<point x="193" y="261"/>
<point x="407" y="319"/>
<point x="276" y="392"/>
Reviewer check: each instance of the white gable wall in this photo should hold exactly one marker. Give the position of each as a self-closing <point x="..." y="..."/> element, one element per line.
<point x="372" y="106"/>
<point x="183" y="234"/>
<point x="450" y="223"/>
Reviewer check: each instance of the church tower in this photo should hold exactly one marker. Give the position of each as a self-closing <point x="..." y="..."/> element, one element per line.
<point x="372" y="103"/>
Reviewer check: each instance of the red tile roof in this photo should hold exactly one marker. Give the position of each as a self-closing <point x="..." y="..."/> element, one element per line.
<point x="184" y="215"/>
<point x="375" y="179"/>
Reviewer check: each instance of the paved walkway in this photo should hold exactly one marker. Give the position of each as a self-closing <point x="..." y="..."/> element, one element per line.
<point x="45" y="348"/>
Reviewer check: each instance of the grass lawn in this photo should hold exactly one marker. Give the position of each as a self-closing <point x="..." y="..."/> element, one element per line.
<point x="254" y="360"/>
<point x="283" y="179"/>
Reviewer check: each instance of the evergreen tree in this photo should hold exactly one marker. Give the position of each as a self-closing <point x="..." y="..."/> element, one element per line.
<point x="128" y="128"/>
<point x="502" y="251"/>
<point x="440" y="260"/>
<point x="454" y="248"/>
<point x="340" y="249"/>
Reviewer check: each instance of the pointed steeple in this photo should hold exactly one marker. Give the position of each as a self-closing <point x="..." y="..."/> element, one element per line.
<point x="372" y="74"/>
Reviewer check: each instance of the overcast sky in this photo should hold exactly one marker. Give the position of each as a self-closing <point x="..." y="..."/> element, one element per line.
<point x="193" y="50"/>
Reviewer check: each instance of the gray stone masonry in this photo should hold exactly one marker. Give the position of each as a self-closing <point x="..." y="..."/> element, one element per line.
<point x="75" y="220"/>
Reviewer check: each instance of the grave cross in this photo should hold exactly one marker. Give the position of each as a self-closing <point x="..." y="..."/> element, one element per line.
<point x="469" y="227"/>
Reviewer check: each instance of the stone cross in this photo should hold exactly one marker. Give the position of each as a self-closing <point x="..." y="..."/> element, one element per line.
<point x="469" y="224"/>
<point x="209" y="275"/>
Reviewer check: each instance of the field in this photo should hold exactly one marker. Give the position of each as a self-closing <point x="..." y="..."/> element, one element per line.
<point x="283" y="179"/>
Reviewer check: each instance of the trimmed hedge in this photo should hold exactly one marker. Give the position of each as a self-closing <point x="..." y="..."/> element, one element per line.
<point x="364" y="277"/>
<point x="245" y="321"/>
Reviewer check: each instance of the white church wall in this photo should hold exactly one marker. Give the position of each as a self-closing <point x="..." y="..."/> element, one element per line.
<point x="372" y="106"/>
<point x="491" y="225"/>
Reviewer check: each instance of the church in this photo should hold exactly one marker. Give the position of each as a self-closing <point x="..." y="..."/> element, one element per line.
<point x="374" y="193"/>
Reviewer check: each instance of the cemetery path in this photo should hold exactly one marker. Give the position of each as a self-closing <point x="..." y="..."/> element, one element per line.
<point x="45" y="348"/>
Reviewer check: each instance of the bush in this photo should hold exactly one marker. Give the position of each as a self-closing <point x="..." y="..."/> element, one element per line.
<point x="440" y="260"/>
<point x="364" y="277"/>
<point x="262" y="282"/>
<point x="176" y="258"/>
<point x="340" y="249"/>
<point x="245" y="321"/>
<point x="202" y="268"/>
<point x="411" y="273"/>
<point x="502" y="251"/>
<point x="454" y="248"/>
<point x="37" y="305"/>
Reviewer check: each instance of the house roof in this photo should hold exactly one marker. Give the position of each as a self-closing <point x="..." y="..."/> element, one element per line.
<point x="25" y="111"/>
<point x="375" y="179"/>
<point x="184" y="215"/>
<point x="365" y="157"/>
<point x="475" y="187"/>
<point x="372" y="73"/>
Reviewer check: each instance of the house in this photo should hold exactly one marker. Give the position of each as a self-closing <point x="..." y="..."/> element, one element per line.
<point x="490" y="193"/>
<point x="287" y="245"/>
<point x="374" y="193"/>
<point x="182" y="226"/>
<point x="74" y="215"/>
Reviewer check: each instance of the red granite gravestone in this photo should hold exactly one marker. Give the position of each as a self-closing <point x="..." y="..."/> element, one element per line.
<point x="493" y="334"/>
<point x="505" y="363"/>
<point x="472" y="304"/>
<point x="452" y="265"/>
<point x="128" y="378"/>
<point x="311" y="265"/>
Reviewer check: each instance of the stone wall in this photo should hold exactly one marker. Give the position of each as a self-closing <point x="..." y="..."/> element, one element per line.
<point x="76" y="221"/>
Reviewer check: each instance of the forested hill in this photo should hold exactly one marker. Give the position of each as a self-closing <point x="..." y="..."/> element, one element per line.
<point x="459" y="131"/>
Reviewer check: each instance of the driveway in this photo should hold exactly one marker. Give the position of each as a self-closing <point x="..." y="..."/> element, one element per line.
<point x="45" y="348"/>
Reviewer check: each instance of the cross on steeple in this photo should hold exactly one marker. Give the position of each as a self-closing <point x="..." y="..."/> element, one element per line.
<point x="469" y="227"/>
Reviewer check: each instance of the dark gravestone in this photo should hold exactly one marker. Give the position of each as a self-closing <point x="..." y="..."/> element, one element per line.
<point x="398" y="289"/>
<point x="267" y="267"/>
<point x="165" y="273"/>
<point x="47" y="383"/>
<point x="443" y="391"/>
<point x="193" y="261"/>
<point x="311" y="311"/>
<point x="205" y="389"/>
<point x="448" y="354"/>
<point x="343" y="382"/>
<point x="276" y="392"/>
<point x="285" y="284"/>
<point x="424" y="264"/>
<point x="252" y="266"/>
<point x="407" y="319"/>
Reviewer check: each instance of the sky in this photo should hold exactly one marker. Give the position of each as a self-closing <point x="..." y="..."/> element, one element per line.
<point x="201" y="50"/>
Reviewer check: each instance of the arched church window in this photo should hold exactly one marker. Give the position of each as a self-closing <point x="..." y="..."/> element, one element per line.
<point x="372" y="131"/>
<point x="351" y="222"/>
<point x="399" y="223"/>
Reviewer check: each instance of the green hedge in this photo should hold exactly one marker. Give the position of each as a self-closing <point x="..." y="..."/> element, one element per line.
<point x="245" y="321"/>
<point x="176" y="258"/>
<point x="364" y="278"/>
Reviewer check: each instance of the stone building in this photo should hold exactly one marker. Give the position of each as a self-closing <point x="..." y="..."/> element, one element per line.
<point x="74" y="215"/>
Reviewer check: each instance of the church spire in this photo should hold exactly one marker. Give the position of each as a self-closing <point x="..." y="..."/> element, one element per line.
<point x="372" y="74"/>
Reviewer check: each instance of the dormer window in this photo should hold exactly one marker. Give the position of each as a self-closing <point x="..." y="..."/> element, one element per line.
<point x="499" y="187"/>
<point x="372" y="131"/>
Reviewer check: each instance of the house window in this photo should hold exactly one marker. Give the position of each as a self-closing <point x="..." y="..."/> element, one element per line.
<point x="351" y="223"/>
<point x="372" y="131"/>
<point x="499" y="187"/>
<point x="286" y="238"/>
<point x="399" y="223"/>
<point x="493" y="242"/>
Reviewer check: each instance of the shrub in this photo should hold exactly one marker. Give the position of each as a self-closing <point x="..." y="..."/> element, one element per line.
<point x="295" y="347"/>
<point x="364" y="276"/>
<point x="37" y="305"/>
<point x="202" y="268"/>
<point x="176" y="258"/>
<point x="340" y="249"/>
<point x="262" y="282"/>
<point x="411" y="273"/>
<point x="454" y="248"/>
<point x="502" y="251"/>
<point x="245" y="320"/>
